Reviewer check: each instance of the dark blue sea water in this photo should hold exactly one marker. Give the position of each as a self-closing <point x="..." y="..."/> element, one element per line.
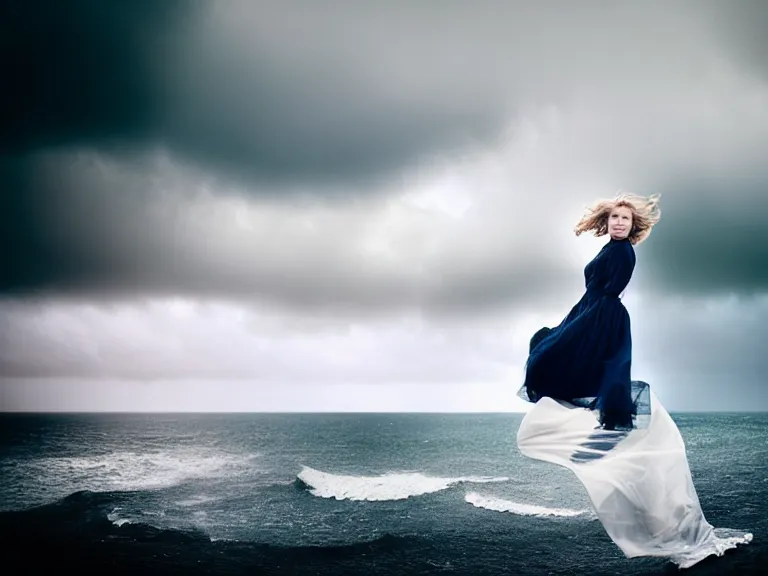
<point x="337" y="494"/>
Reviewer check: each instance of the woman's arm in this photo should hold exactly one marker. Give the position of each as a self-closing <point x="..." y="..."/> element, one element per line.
<point x="617" y="268"/>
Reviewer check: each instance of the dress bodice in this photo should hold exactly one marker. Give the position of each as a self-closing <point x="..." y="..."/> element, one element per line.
<point x="609" y="272"/>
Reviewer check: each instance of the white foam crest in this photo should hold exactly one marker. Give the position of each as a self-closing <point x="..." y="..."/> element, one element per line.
<point x="117" y="519"/>
<point x="392" y="486"/>
<point x="136" y="471"/>
<point x="501" y="505"/>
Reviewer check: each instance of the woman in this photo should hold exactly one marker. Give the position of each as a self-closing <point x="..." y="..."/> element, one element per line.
<point x="586" y="359"/>
<point x="637" y="478"/>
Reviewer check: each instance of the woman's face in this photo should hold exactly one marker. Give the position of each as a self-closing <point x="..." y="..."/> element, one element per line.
<point x="620" y="222"/>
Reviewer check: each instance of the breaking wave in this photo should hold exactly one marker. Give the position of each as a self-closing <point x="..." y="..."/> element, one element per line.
<point x="501" y="505"/>
<point x="392" y="486"/>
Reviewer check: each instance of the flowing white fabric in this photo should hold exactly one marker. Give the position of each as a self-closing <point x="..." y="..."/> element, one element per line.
<point x="639" y="481"/>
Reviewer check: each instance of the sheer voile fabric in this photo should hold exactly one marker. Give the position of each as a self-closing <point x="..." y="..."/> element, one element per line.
<point x="638" y="481"/>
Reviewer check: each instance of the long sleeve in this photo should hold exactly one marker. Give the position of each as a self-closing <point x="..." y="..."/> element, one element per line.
<point x="617" y="268"/>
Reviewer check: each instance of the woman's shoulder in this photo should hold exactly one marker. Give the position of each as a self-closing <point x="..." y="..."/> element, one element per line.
<point x="623" y="245"/>
<point x="620" y="249"/>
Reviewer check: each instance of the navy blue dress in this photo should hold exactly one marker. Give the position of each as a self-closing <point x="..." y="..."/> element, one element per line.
<point x="586" y="360"/>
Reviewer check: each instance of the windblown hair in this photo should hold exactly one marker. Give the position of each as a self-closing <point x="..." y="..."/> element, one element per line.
<point x="645" y="214"/>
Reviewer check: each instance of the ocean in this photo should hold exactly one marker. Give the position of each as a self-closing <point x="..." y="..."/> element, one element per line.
<point x="368" y="494"/>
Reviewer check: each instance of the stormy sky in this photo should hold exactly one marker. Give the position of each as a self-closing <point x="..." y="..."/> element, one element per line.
<point x="251" y="205"/>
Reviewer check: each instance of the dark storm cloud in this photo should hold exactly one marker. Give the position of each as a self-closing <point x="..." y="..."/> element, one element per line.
<point x="58" y="232"/>
<point x="711" y="237"/>
<point x="291" y="92"/>
<point x="123" y="75"/>
<point x="703" y="353"/>
<point x="83" y="72"/>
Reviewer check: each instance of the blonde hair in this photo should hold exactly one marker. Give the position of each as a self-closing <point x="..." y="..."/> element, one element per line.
<point x="645" y="214"/>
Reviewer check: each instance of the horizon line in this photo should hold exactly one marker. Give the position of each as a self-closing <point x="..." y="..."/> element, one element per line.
<point x="327" y="412"/>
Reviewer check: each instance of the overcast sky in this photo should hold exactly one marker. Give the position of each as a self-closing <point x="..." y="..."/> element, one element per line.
<point x="238" y="205"/>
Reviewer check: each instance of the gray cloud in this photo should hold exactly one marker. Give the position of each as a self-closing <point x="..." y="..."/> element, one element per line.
<point x="711" y="238"/>
<point x="243" y="88"/>
<point x="709" y="346"/>
<point x="150" y="340"/>
<point x="117" y="230"/>
<point x="741" y="28"/>
<point x="302" y="92"/>
<point x="341" y="165"/>
<point x="492" y="232"/>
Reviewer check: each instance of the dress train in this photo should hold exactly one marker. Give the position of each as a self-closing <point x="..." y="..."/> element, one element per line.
<point x="638" y="480"/>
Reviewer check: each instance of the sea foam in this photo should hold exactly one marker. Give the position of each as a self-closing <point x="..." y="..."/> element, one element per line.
<point x="391" y="486"/>
<point x="501" y="505"/>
